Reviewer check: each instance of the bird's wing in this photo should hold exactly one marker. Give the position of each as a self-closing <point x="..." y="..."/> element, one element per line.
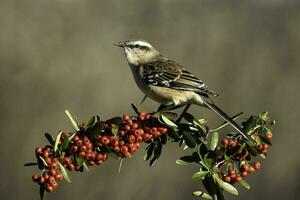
<point x="167" y="73"/>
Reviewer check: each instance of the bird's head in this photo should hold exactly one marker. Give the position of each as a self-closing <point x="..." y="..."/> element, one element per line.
<point x="138" y="51"/>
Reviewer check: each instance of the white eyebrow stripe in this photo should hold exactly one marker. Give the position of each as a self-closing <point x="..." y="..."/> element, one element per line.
<point x="142" y="43"/>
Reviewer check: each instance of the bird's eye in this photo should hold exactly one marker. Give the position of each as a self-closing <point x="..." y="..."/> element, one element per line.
<point x="137" y="46"/>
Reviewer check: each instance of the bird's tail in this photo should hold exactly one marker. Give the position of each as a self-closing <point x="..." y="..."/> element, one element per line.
<point x="222" y="114"/>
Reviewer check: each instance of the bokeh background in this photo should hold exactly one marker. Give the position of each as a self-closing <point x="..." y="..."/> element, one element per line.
<point x="58" y="54"/>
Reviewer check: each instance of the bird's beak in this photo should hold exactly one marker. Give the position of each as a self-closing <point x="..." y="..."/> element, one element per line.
<point x="120" y="44"/>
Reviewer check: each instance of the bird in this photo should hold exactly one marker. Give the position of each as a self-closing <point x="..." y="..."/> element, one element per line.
<point x="169" y="83"/>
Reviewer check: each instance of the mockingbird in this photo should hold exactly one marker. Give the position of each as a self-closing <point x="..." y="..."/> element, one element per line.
<point x="167" y="82"/>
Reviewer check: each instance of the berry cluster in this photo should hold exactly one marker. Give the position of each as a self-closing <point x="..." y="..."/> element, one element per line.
<point x="51" y="176"/>
<point x="242" y="153"/>
<point x="85" y="149"/>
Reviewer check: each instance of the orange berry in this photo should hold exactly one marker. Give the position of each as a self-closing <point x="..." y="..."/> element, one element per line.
<point x="131" y="139"/>
<point x="257" y="165"/>
<point x="227" y="179"/>
<point x="269" y="136"/>
<point x="238" y="178"/>
<point x="126" y="117"/>
<point x="244" y="173"/>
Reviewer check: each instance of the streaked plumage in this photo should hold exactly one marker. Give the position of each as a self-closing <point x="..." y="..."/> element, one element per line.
<point x="167" y="82"/>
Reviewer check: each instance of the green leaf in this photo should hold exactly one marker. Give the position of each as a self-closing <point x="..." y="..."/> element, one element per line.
<point x="115" y="130"/>
<point x="244" y="184"/>
<point x="149" y="151"/>
<point x="226" y="186"/>
<point x="50" y="138"/>
<point x="43" y="160"/>
<point x="64" y="172"/>
<point x="214" y="141"/>
<point x="189" y="140"/>
<point x="249" y="124"/>
<point x="172" y="133"/>
<point x="202" y="195"/>
<point x="199" y="175"/>
<point x="157" y="152"/>
<point x="188" y="117"/>
<point x="73" y="119"/>
<point x="136" y="110"/>
<point x="92" y="121"/>
<point x="167" y="121"/>
<point x="42" y="192"/>
<point x="57" y="141"/>
<point x="85" y="165"/>
<point x="115" y="120"/>
<point x="30" y="164"/>
<point x="185" y="160"/>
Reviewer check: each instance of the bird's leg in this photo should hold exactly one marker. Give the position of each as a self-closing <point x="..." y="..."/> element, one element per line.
<point x="183" y="112"/>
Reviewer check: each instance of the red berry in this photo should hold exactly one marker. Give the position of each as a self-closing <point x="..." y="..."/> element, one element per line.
<point x="245" y="167"/>
<point x="134" y="126"/>
<point x="126" y="117"/>
<point x="121" y="133"/>
<point x="265" y="146"/>
<point x="124" y="149"/>
<point x="139" y="139"/>
<point x="105" y="140"/>
<point x="49" y="188"/>
<point x="127" y="127"/>
<point x="41" y="180"/>
<point x="38" y="151"/>
<point x="35" y="178"/>
<point x="256" y="165"/>
<point x="225" y="142"/>
<point x="78" y="143"/>
<point x="147" y="137"/>
<point x="227" y="179"/>
<point x="59" y="177"/>
<point x="131" y="139"/>
<point x="127" y="154"/>
<point x="251" y="169"/>
<point x="121" y="143"/>
<point x="53" y="172"/>
<point x="244" y="173"/>
<point x="238" y="178"/>
<point x="83" y="148"/>
<point x="269" y="136"/>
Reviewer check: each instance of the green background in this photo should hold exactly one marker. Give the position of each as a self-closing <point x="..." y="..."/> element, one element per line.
<point x="58" y="54"/>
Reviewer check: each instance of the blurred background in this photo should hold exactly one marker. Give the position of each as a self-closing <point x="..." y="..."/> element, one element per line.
<point x="58" y="54"/>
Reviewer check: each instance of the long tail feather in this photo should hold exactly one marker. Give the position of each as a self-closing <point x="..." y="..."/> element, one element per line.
<point x="222" y="114"/>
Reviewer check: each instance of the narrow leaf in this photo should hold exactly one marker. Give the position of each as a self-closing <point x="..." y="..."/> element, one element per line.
<point x="42" y="192"/>
<point x="43" y="160"/>
<point x="214" y="141"/>
<point x="149" y="151"/>
<point x="202" y="195"/>
<point x="185" y="160"/>
<point x="57" y="141"/>
<point x="115" y="120"/>
<point x="85" y="165"/>
<point x="73" y="119"/>
<point x="199" y="175"/>
<point x="189" y="140"/>
<point x="245" y="184"/>
<point x="167" y="121"/>
<point x="50" y="138"/>
<point x="64" y="172"/>
<point x="157" y="153"/>
<point x="30" y="164"/>
<point x="226" y="186"/>
<point x="92" y="121"/>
